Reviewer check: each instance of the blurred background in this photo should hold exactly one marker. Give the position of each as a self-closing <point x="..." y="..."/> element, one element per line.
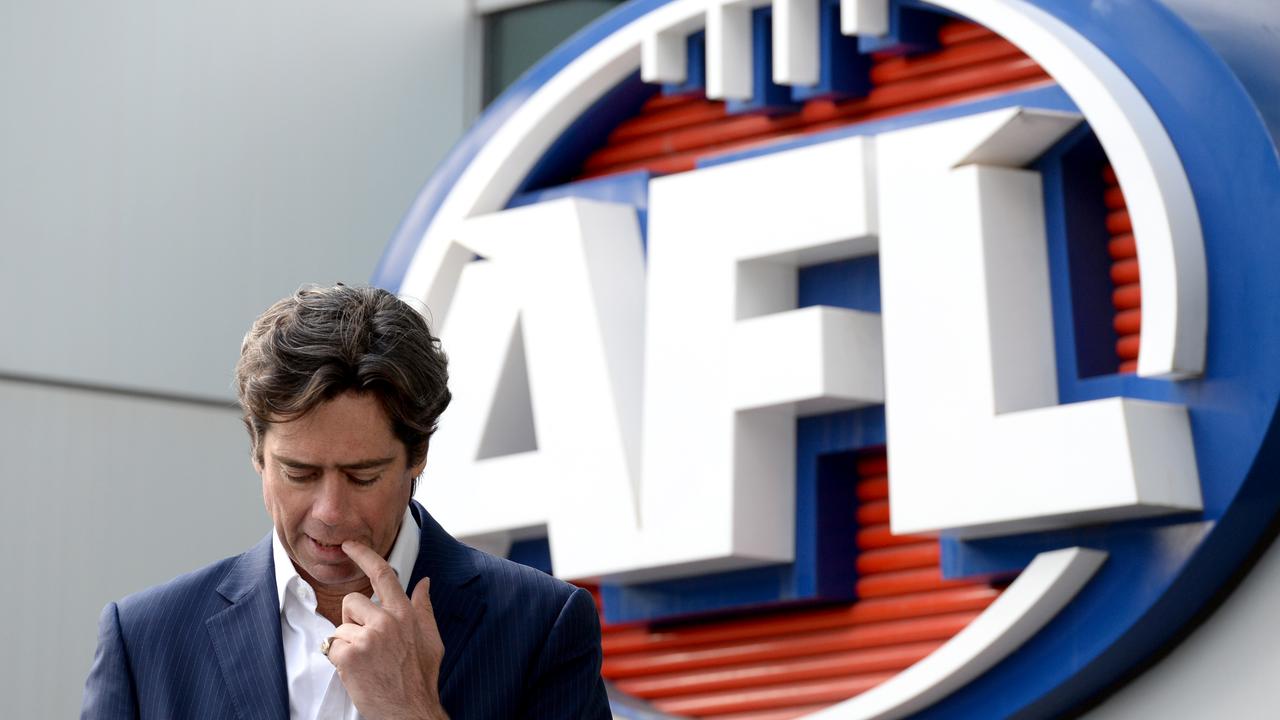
<point x="169" y="169"/>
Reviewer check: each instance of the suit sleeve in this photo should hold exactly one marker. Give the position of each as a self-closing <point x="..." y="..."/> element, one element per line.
<point x="566" y="679"/>
<point x="109" y="690"/>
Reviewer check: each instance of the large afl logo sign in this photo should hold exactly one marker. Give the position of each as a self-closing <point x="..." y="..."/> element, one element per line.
<point x="668" y="365"/>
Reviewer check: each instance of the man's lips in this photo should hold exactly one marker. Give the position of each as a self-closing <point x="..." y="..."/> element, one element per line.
<point x="327" y="551"/>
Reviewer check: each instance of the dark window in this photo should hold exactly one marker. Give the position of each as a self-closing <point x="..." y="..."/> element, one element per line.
<point x="517" y="38"/>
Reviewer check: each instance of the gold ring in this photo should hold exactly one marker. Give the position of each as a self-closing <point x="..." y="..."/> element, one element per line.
<point x="325" y="645"/>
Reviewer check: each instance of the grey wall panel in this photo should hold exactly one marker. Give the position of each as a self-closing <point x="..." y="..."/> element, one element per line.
<point x="104" y="496"/>
<point x="1226" y="668"/>
<point x="170" y="168"/>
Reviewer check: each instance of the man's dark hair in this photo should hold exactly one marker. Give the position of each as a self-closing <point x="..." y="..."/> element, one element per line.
<point x="324" y="341"/>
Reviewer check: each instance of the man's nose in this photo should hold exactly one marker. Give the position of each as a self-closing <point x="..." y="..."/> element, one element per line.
<point x="331" y="504"/>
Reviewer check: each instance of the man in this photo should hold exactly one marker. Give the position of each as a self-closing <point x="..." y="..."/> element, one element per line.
<point x="357" y="605"/>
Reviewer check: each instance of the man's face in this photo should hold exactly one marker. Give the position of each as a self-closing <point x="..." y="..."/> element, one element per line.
<point x="337" y="473"/>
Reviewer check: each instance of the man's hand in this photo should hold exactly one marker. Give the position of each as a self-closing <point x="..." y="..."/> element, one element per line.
<point x="389" y="656"/>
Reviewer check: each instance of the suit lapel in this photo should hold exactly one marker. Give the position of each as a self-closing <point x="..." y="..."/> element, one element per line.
<point x="455" y="588"/>
<point x="246" y="637"/>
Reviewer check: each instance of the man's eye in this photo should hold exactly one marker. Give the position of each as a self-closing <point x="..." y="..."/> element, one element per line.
<point x="364" y="481"/>
<point x="292" y="477"/>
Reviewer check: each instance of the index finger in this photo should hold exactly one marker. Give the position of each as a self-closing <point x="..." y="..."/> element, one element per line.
<point x="384" y="580"/>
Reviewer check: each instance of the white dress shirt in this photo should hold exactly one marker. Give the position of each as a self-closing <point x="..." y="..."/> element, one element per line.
<point x="315" y="689"/>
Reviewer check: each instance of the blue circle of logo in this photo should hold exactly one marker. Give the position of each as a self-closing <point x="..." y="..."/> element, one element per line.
<point x="1159" y="572"/>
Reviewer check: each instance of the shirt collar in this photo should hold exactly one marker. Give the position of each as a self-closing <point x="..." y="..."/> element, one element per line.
<point x="403" y="555"/>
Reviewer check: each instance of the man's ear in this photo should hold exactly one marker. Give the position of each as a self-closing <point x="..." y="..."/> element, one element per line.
<point x="422" y="464"/>
<point x="415" y="473"/>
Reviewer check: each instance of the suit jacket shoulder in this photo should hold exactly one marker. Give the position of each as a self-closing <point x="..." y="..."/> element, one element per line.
<point x="518" y="642"/>
<point x="162" y="613"/>
<point x="205" y="644"/>
<point x="519" y="589"/>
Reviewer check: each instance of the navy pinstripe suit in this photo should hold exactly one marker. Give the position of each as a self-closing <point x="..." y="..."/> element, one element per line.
<point x="518" y="643"/>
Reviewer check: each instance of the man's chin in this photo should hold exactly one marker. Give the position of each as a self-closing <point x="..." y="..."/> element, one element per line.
<point x="334" y="573"/>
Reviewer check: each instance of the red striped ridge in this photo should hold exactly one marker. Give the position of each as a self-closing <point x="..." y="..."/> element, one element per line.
<point x="689" y="114"/>
<point x="1124" y="271"/>
<point x="772" y="696"/>
<point x="1113" y="198"/>
<point x="680" y="150"/>
<point x="1118" y="222"/>
<point x="913" y="66"/>
<point x="879" y="659"/>
<point x="1127" y="347"/>
<point x="905" y="557"/>
<point x="880" y="536"/>
<point x="890" y="632"/>
<point x="662" y="102"/>
<point x="784" y="664"/>
<point x="625" y="640"/>
<point x="1128" y="322"/>
<point x="901" y="582"/>
<point x="873" y="512"/>
<point x="958" y="32"/>
<point x="874" y="488"/>
<point x="1122" y="247"/>
<point x="872" y="464"/>
<point x="1126" y="296"/>
<point x="790" y="663"/>
<point x="670" y="134"/>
